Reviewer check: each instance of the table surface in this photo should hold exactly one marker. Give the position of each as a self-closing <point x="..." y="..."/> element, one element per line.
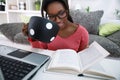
<point x="110" y="65"/>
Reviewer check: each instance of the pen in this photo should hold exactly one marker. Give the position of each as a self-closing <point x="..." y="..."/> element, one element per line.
<point x="80" y="75"/>
<point x="91" y="76"/>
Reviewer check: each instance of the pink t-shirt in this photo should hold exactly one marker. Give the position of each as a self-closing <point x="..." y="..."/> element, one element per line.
<point x="77" y="41"/>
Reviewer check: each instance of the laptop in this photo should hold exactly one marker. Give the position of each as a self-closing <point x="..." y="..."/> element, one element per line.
<point x="17" y="64"/>
<point x="1" y="75"/>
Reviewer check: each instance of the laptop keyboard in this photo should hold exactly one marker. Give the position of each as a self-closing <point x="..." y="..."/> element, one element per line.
<point x="14" y="69"/>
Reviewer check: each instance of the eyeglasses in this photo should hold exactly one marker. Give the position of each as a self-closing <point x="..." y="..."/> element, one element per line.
<point x="60" y="15"/>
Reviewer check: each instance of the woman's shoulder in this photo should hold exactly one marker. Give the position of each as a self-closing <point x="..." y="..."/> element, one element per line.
<point x="81" y="28"/>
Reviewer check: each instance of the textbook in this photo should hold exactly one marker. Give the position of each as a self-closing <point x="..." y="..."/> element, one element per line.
<point x="69" y="61"/>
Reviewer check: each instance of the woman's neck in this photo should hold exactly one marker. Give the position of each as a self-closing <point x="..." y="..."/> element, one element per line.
<point x="69" y="29"/>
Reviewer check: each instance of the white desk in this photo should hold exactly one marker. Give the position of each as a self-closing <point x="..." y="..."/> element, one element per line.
<point x="111" y="65"/>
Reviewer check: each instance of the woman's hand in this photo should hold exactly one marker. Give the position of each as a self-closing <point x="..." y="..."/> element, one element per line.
<point x="25" y="29"/>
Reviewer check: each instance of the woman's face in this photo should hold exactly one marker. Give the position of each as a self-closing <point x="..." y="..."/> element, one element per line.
<point x="57" y="13"/>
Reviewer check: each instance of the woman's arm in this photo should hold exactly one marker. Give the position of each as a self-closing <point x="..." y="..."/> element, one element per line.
<point x="84" y="39"/>
<point x="37" y="44"/>
<point x="34" y="43"/>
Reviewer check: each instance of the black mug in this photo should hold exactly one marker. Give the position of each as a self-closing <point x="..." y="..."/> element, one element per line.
<point x="42" y="29"/>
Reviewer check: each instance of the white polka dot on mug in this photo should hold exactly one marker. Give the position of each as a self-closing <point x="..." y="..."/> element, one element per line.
<point x="32" y="32"/>
<point x="49" y="25"/>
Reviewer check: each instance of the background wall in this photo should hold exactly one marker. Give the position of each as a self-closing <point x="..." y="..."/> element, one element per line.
<point x="108" y="6"/>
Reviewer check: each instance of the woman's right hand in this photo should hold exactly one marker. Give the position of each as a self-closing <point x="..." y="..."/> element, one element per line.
<point x="25" y="29"/>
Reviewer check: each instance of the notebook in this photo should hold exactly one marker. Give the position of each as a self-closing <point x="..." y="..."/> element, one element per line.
<point x="17" y="64"/>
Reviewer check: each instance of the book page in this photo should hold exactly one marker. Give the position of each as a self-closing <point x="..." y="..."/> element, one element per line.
<point x="92" y="55"/>
<point x="97" y="70"/>
<point x="65" y="60"/>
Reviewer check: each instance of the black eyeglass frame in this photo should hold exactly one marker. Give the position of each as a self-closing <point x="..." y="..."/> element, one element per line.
<point x="60" y="15"/>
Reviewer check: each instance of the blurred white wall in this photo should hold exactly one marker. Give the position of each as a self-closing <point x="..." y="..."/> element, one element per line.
<point x="108" y="6"/>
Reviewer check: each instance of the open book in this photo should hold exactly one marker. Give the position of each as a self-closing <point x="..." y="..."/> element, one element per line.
<point x="69" y="61"/>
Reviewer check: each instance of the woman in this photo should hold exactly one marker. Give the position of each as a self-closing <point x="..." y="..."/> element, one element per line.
<point x="70" y="36"/>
